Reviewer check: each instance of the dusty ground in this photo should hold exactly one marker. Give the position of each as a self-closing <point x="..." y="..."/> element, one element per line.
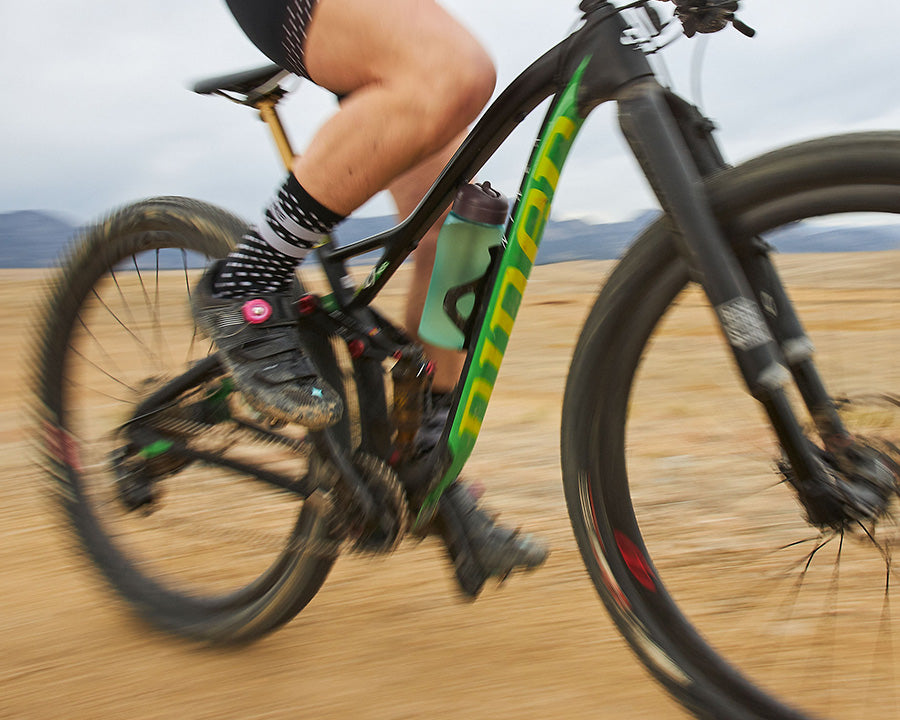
<point x="384" y="639"/>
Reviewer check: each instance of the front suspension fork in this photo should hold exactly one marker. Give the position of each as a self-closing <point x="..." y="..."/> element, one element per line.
<point x="771" y="295"/>
<point x="675" y="153"/>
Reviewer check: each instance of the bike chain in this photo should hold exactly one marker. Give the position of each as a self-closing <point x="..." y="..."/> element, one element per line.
<point x="187" y="430"/>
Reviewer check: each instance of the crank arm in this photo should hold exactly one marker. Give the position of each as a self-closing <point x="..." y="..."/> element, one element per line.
<point x="350" y="478"/>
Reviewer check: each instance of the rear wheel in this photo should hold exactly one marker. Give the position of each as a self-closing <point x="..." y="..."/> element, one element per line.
<point x="675" y="482"/>
<point x="215" y="552"/>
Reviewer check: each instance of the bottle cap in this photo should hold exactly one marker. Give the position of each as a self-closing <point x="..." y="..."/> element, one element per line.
<point x="481" y="203"/>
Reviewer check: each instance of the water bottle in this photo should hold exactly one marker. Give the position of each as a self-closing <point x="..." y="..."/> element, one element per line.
<point x="474" y="225"/>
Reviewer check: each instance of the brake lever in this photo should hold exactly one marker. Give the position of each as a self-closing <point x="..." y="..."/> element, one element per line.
<point x="707" y="16"/>
<point x="742" y="28"/>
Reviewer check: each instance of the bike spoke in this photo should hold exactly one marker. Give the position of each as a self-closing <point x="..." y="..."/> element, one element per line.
<point x="109" y="375"/>
<point x="195" y="336"/>
<point x="147" y="350"/>
<point x="152" y="305"/>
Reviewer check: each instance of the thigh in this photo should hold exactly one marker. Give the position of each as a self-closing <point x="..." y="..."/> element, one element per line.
<point x="355" y="43"/>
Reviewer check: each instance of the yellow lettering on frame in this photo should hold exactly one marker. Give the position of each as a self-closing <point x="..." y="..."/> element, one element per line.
<point x="537" y="200"/>
<point x="564" y="126"/>
<point x="471" y="423"/>
<point x="512" y="278"/>
<point x="516" y="278"/>
<point x="490" y="355"/>
<point x="547" y="169"/>
<point x="502" y="320"/>
<point x="530" y="220"/>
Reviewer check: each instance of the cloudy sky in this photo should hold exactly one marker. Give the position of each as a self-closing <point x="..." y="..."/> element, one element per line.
<point x="96" y="112"/>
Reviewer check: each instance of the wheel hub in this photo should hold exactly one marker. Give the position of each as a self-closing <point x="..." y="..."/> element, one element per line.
<point x="856" y="484"/>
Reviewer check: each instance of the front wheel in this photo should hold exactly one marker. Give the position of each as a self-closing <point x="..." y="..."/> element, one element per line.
<point x="676" y="486"/>
<point x="217" y="552"/>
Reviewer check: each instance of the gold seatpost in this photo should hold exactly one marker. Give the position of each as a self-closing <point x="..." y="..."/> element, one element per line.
<point x="269" y="116"/>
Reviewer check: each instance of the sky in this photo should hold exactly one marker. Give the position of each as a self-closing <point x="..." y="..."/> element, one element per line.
<point x="96" y="110"/>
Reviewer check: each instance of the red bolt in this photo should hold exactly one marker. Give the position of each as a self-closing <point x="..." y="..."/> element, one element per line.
<point x="307" y="304"/>
<point x="356" y="347"/>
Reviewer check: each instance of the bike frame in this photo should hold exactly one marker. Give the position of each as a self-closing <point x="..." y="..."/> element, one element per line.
<point x="675" y="149"/>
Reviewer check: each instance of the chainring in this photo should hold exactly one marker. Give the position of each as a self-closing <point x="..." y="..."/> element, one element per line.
<point x="387" y="492"/>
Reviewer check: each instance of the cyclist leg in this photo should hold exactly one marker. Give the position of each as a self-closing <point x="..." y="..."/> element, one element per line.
<point x="407" y="190"/>
<point x="411" y="79"/>
<point x="408" y="100"/>
<point x="425" y="128"/>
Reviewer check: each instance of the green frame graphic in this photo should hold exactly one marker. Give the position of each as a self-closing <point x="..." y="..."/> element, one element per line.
<point x="525" y="233"/>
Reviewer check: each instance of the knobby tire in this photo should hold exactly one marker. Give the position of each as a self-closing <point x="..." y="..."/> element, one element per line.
<point x="699" y="558"/>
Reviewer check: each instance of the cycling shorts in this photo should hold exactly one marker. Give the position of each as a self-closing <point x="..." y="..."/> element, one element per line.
<point x="277" y="27"/>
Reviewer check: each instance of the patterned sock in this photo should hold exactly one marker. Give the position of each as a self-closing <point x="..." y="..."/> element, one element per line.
<point x="264" y="261"/>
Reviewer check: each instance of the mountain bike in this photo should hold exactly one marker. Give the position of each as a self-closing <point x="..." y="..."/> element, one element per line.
<point x="742" y="546"/>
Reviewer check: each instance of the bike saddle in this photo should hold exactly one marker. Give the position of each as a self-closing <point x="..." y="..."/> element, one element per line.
<point x="252" y="84"/>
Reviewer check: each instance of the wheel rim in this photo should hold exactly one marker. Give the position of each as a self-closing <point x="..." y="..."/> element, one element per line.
<point x="808" y="615"/>
<point x="215" y="538"/>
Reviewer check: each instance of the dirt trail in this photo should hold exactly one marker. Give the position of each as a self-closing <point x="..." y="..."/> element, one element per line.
<point x="384" y="639"/>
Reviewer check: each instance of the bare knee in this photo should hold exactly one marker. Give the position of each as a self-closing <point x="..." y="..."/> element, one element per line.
<point x="465" y="82"/>
<point x="455" y="91"/>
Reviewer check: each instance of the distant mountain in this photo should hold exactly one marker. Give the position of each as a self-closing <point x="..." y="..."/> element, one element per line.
<point x="566" y="240"/>
<point x="33" y="239"/>
<point x="805" y="238"/>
